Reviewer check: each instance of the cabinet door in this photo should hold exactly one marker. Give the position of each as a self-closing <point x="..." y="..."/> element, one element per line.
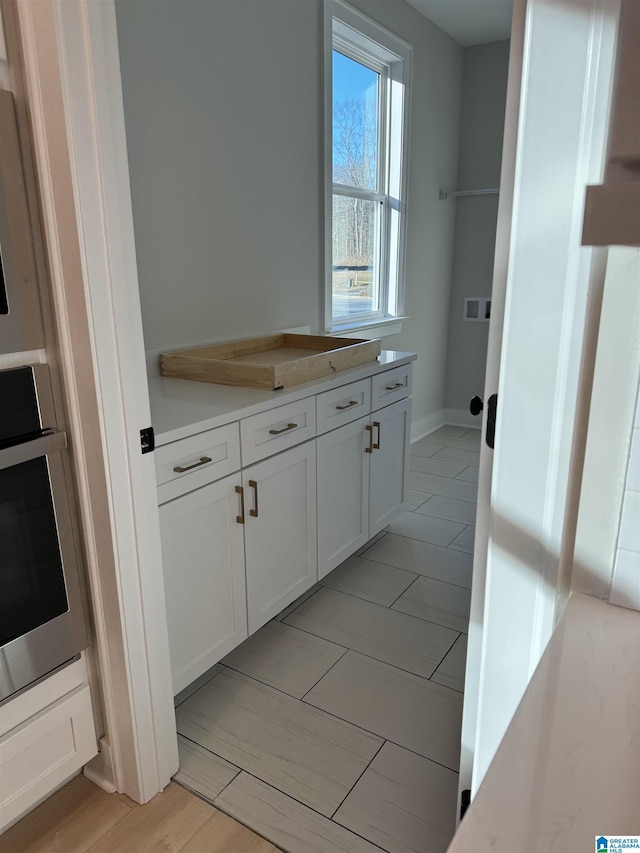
<point x="280" y="531"/>
<point x="343" y="494"/>
<point x="203" y="560"/>
<point x="389" y="464"/>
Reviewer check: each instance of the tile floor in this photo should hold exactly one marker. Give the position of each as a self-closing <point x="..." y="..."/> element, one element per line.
<point x="336" y="727"/>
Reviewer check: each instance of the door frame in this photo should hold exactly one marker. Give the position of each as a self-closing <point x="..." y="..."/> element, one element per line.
<point x="69" y="60"/>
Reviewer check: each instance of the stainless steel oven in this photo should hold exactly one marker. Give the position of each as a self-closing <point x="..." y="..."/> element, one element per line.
<point x="20" y="320"/>
<point x="42" y="622"/>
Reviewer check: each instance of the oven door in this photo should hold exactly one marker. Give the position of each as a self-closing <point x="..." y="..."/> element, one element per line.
<point x="42" y="622"/>
<point x="20" y="320"/>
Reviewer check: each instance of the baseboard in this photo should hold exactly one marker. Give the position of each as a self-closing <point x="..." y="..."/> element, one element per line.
<point x="100" y="769"/>
<point x="462" y="417"/>
<point x="453" y="417"/>
<point x="426" y="425"/>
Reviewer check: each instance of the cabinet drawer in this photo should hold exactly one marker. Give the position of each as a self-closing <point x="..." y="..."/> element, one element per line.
<point x="270" y="432"/>
<point x="343" y="405"/>
<point x="390" y="386"/>
<point x="195" y="461"/>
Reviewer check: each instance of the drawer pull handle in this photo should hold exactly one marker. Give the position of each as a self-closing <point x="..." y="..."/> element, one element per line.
<point x="254" y="512"/>
<point x="179" y="469"/>
<point x="376" y="445"/>
<point x="348" y="405"/>
<point x="284" y="429"/>
<point x="393" y="387"/>
<point x="369" y="429"/>
<point x="240" y="518"/>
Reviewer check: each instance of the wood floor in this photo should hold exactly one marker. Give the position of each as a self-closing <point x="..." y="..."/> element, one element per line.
<point x="81" y="817"/>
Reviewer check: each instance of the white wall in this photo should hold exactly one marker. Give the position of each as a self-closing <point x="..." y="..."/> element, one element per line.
<point x="483" y="106"/>
<point x="625" y="586"/>
<point x="610" y="430"/>
<point x="223" y="106"/>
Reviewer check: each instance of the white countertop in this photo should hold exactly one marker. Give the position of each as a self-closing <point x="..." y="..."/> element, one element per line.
<point x="568" y="768"/>
<point x="183" y="407"/>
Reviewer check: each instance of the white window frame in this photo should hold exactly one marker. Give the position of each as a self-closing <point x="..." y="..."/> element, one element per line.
<point x="365" y="41"/>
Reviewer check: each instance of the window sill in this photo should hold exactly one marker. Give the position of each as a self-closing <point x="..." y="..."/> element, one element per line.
<point x="369" y="328"/>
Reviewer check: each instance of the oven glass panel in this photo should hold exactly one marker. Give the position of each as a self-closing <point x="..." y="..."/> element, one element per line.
<point x="19" y="412"/>
<point x="4" y="302"/>
<point x="32" y="587"/>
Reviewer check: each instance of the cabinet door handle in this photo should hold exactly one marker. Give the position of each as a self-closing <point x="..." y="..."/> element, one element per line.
<point x="369" y="429"/>
<point x="376" y="446"/>
<point x="179" y="469"/>
<point x="284" y="429"/>
<point x="240" y="518"/>
<point x="348" y="405"/>
<point x="393" y="387"/>
<point x="254" y="512"/>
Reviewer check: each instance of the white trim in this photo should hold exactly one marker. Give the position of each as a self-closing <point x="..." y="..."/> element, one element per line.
<point x="372" y="329"/>
<point x="421" y="428"/>
<point x="74" y="97"/>
<point x="100" y="769"/>
<point x="358" y="28"/>
<point x="360" y="35"/>
<point x="451" y="417"/>
<point x="462" y="418"/>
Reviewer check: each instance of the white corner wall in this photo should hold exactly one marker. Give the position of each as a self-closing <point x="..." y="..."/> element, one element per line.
<point x="223" y="107"/>
<point x="625" y="585"/>
<point x="611" y="454"/>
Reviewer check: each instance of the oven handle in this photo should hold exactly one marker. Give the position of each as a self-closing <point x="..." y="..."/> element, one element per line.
<point x="19" y="453"/>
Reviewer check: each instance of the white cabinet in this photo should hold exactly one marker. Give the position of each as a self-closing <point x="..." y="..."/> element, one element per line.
<point x="47" y="734"/>
<point x="343" y="494"/>
<point x="250" y="517"/>
<point x="362" y="481"/>
<point x="389" y="472"/>
<point x="204" y="576"/>
<point x="235" y="552"/>
<point x="280" y="531"/>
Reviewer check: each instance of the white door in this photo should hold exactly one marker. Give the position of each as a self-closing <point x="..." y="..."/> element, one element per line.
<point x="557" y="103"/>
<point x="204" y="580"/>
<point x="280" y="531"/>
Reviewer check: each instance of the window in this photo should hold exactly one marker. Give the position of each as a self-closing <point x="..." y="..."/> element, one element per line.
<point x="367" y="74"/>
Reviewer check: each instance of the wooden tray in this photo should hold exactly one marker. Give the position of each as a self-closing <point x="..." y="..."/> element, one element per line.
<point x="273" y="361"/>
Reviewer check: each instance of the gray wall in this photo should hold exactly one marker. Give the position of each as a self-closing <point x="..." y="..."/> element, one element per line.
<point x="223" y="107"/>
<point x="483" y="106"/>
<point x="224" y="142"/>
